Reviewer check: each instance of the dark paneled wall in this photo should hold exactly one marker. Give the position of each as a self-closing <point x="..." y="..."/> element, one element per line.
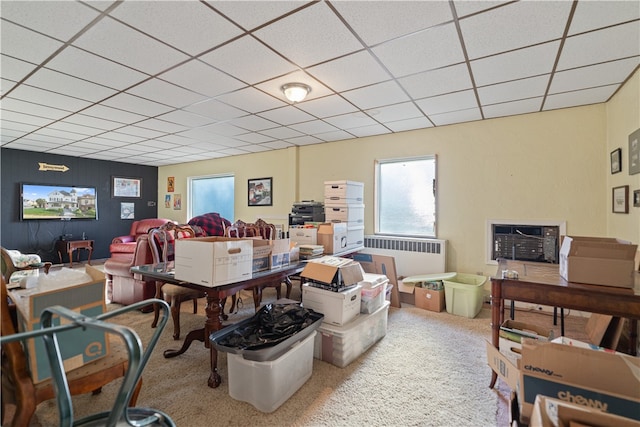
<point x="39" y="236"/>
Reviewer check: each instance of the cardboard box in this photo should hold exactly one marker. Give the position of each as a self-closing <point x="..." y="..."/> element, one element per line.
<point x="550" y="412"/>
<point x="261" y="255"/>
<point x="598" y="261"/>
<point x="280" y="253"/>
<point x="338" y="308"/>
<point x="213" y="261"/>
<point x="77" y="346"/>
<point x="429" y="299"/>
<point x="603" y="380"/>
<point x="352" y="214"/>
<point x="333" y="236"/>
<point x="304" y="235"/>
<point x="333" y="271"/>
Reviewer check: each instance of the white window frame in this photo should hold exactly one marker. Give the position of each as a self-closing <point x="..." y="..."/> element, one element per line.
<point x="190" y="197"/>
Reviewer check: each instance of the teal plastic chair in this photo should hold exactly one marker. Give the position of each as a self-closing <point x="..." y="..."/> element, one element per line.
<point x="120" y="414"/>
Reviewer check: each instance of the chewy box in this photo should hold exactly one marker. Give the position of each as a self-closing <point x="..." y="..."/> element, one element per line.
<point x="341" y="345"/>
<point x="267" y="385"/>
<point x="598" y="261"/>
<point x="213" y="261"/>
<point x="77" y="346"/>
<point x="558" y="370"/>
<point x="463" y="294"/>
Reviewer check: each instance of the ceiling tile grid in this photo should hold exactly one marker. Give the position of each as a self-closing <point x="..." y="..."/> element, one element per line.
<point x="161" y="82"/>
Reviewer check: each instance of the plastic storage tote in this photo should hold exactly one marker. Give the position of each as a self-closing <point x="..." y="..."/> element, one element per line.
<point x="463" y="294"/>
<point x="267" y="385"/>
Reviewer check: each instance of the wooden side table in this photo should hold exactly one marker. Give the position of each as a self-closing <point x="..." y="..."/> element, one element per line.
<point x="68" y="246"/>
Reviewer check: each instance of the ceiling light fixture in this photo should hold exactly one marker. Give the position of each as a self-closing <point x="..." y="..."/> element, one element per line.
<point x="295" y="92"/>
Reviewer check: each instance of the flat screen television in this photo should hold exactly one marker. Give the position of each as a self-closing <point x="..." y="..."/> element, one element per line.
<point x="61" y="202"/>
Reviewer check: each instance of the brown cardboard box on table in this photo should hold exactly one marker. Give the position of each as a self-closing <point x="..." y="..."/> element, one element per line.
<point x="336" y="271"/>
<point x="333" y="236"/>
<point x="598" y="261"/>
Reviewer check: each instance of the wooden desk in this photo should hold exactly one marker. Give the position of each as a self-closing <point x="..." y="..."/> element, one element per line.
<point x="213" y="309"/>
<point x="68" y="246"/>
<point x="543" y="285"/>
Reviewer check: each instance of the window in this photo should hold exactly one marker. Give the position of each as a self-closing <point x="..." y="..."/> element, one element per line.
<point x="214" y="193"/>
<point x="405" y="196"/>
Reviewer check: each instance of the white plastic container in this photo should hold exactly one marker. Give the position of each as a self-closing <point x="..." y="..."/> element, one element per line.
<point x="267" y="385"/>
<point x="341" y="345"/>
<point x="373" y="292"/>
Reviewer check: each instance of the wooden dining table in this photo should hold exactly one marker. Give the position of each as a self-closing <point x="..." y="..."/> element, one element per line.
<point x="215" y="295"/>
<point x="543" y="285"/>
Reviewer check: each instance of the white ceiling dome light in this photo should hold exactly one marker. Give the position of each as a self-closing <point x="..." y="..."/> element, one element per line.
<point x="295" y="92"/>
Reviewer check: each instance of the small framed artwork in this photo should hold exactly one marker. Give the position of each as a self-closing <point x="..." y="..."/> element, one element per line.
<point x="620" y="199"/>
<point x="126" y="187"/>
<point x="167" y="201"/>
<point x="127" y="210"/>
<point x="634" y="152"/>
<point x="171" y="184"/>
<point x="260" y="192"/>
<point x="636" y="198"/>
<point x="177" y="202"/>
<point x="616" y="160"/>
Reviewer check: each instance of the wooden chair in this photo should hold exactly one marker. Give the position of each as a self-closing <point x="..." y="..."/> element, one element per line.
<point x="18" y="387"/>
<point x="162" y="242"/>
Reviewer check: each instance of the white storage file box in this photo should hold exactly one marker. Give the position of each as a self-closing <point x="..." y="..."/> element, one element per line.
<point x="338" y="307"/>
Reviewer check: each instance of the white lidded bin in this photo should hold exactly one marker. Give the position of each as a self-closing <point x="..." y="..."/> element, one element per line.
<point x="341" y="345"/>
<point x="373" y="292"/>
<point x="267" y="385"/>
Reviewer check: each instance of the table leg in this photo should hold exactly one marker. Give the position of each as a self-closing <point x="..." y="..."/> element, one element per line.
<point x="90" y="249"/>
<point x="633" y="337"/>
<point x="212" y="324"/>
<point x="497" y="312"/>
<point x="71" y="258"/>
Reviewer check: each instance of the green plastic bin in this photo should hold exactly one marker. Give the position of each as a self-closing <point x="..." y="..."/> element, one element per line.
<point x="463" y="294"/>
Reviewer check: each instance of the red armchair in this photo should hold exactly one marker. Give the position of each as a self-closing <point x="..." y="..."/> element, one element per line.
<point x="125" y="246"/>
<point x="123" y="287"/>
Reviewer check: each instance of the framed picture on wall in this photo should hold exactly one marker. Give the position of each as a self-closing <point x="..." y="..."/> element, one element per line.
<point x="127" y="210"/>
<point x="620" y="199"/>
<point x="634" y="152"/>
<point x="126" y="187"/>
<point x="616" y="160"/>
<point x="260" y="192"/>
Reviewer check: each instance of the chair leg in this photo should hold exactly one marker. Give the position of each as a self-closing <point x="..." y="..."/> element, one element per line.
<point x="175" y="315"/>
<point x="195" y="305"/>
<point x="156" y="309"/>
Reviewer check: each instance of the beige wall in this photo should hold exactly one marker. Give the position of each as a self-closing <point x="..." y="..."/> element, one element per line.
<point x="543" y="166"/>
<point x="623" y="118"/>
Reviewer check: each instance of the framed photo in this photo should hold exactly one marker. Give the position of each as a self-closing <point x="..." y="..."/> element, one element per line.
<point x="620" y="199"/>
<point x="259" y="192"/>
<point x="171" y="184"/>
<point x="126" y="187"/>
<point x="636" y="198"/>
<point x="127" y="210"/>
<point x="177" y="202"/>
<point x="634" y="152"/>
<point x="616" y="160"/>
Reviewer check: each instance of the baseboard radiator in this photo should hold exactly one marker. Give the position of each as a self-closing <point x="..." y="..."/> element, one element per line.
<point x="412" y="256"/>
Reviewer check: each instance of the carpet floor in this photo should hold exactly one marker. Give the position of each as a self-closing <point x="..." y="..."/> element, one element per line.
<point x="429" y="369"/>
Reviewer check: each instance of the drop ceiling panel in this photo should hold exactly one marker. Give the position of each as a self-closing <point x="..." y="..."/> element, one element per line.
<point x="324" y="36"/>
<point x="461" y="116"/>
<point x="377" y="95"/>
<point x="374" y="26"/>
<point x="135" y="104"/>
<point x="287" y="115"/>
<point x="251" y="100"/>
<point x="603" y="45"/>
<point x="580" y="97"/>
<point x="13" y="69"/>
<point x="339" y="74"/>
<point x="201" y="78"/>
<point x="68" y="85"/>
<point x="447" y="103"/>
<point x="409" y="124"/>
<point x="513" y="26"/>
<point x="437" y="82"/>
<point x="243" y="66"/>
<point x="327" y="106"/>
<point x="25" y="44"/>
<point x="206" y="28"/>
<point x="591" y="15"/>
<point x="111" y="39"/>
<point x="250" y="15"/>
<point x="17" y="105"/>
<point x="166" y="93"/>
<point x="427" y="50"/>
<point x="595" y="75"/>
<point x="513" y="90"/>
<point x="522" y="106"/>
